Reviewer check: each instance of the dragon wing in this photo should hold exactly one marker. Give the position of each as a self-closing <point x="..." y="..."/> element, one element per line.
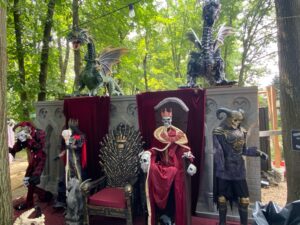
<point x="109" y="57"/>
<point x="222" y="34"/>
<point x="192" y="36"/>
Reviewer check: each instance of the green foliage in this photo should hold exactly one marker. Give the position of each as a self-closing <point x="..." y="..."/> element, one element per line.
<point x="155" y="37"/>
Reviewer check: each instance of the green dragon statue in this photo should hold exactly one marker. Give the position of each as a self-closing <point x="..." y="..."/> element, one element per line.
<point x="97" y="71"/>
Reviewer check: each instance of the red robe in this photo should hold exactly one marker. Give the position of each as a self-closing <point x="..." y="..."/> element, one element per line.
<point x="167" y="168"/>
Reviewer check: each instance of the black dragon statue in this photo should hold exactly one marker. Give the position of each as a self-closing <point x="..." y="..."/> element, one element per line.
<point x="207" y="61"/>
<point x="98" y="69"/>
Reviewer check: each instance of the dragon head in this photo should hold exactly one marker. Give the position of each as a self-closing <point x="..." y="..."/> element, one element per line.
<point x="211" y="10"/>
<point x="78" y="37"/>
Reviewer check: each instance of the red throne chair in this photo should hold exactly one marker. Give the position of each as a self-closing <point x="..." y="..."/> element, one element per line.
<point x="113" y="195"/>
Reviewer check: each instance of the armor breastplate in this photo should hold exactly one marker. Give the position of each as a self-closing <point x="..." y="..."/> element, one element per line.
<point x="236" y="139"/>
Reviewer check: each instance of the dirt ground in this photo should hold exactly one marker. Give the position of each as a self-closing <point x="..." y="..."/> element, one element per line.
<point x="18" y="167"/>
<point x="277" y="194"/>
<point x="17" y="171"/>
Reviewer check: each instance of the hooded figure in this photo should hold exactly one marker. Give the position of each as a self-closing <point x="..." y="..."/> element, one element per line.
<point x="32" y="139"/>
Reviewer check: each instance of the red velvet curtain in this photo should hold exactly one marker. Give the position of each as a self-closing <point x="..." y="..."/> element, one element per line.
<point x="195" y="101"/>
<point x="93" y="116"/>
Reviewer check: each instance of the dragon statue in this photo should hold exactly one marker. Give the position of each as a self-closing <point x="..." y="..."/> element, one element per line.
<point x="98" y="69"/>
<point x="207" y="61"/>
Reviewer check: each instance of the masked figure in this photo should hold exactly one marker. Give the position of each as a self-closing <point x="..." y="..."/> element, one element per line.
<point x="76" y="147"/>
<point x="32" y="139"/>
<point x="165" y="184"/>
<point x="229" y="142"/>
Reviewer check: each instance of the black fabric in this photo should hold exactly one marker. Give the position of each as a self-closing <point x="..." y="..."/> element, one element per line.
<point x="272" y="214"/>
<point x="231" y="189"/>
<point x="34" y="180"/>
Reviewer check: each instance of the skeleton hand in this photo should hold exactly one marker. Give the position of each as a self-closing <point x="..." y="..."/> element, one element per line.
<point x="188" y="155"/>
<point x="145" y="160"/>
<point x="26" y="181"/>
<point x="191" y="170"/>
<point x="263" y="155"/>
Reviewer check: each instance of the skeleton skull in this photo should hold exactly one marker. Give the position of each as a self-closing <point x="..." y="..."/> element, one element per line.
<point x="192" y="169"/>
<point x="236" y="119"/>
<point x="167" y="121"/>
<point x="66" y="135"/>
<point x="145" y="161"/>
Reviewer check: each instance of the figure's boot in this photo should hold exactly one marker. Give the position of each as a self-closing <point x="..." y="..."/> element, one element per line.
<point x="222" y="204"/>
<point x="243" y="210"/>
<point x="222" y="214"/>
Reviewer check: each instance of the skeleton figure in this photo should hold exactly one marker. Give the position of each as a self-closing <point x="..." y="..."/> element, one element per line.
<point x="165" y="183"/>
<point x="229" y="143"/>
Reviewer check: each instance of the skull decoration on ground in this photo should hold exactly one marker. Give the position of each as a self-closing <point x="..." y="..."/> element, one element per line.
<point x="145" y="160"/>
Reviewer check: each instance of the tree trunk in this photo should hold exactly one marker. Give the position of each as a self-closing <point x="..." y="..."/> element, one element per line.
<point x="5" y="191"/>
<point x="63" y="62"/>
<point x="288" y="35"/>
<point x="145" y="71"/>
<point x="45" y="52"/>
<point x="20" y="57"/>
<point x="77" y="56"/>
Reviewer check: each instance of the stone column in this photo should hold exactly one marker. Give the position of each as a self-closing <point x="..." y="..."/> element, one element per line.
<point x="50" y="118"/>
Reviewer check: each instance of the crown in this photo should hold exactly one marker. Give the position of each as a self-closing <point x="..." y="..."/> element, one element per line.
<point x="121" y="138"/>
<point x="165" y="113"/>
<point x="73" y="123"/>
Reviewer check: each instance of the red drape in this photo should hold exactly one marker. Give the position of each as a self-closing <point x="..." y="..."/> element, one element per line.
<point x="93" y="116"/>
<point x="195" y="101"/>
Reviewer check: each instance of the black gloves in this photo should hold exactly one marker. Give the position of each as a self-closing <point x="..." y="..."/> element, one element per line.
<point x="34" y="180"/>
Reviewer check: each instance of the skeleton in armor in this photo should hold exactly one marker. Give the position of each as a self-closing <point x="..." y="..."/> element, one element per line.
<point x="229" y="140"/>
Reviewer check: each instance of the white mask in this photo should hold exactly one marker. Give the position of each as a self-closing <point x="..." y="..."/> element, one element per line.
<point x="22" y="135"/>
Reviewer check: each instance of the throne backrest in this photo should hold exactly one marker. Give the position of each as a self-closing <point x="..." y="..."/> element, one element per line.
<point x="179" y="111"/>
<point x="119" y="155"/>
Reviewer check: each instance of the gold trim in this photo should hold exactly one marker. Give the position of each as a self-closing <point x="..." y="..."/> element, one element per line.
<point x="222" y="199"/>
<point x="244" y="201"/>
<point x="161" y="132"/>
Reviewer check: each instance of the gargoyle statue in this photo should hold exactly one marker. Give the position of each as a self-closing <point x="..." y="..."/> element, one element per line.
<point x="207" y="62"/>
<point x="74" y="213"/>
<point x="97" y="71"/>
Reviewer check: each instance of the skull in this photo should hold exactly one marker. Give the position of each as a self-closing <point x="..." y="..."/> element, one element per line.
<point x="66" y="135"/>
<point x="236" y="119"/>
<point x="23" y="135"/>
<point x="145" y="161"/>
<point x="192" y="169"/>
<point x="167" y="121"/>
